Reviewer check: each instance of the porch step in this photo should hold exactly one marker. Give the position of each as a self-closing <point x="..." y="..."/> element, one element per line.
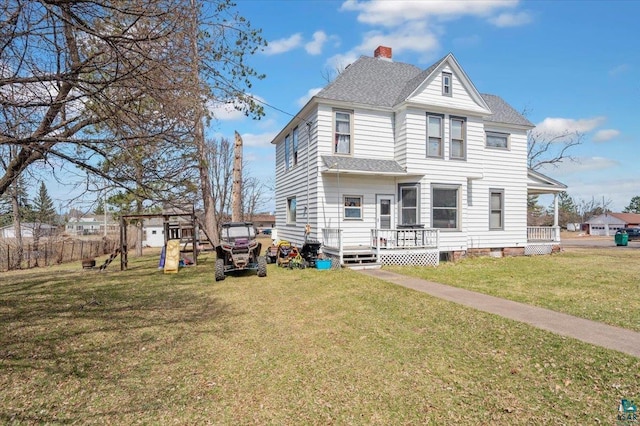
<point x="349" y="259"/>
<point x="363" y="266"/>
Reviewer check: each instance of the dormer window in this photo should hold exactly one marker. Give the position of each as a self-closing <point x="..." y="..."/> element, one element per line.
<point x="446" y="84"/>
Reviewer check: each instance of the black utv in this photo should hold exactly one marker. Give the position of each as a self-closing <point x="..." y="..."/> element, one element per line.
<point x="239" y="250"/>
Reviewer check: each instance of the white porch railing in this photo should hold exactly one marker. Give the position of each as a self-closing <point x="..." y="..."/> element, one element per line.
<point x="543" y="233"/>
<point x="404" y="238"/>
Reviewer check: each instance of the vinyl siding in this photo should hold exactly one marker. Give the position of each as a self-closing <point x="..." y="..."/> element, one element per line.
<point x="431" y="94"/>
<point x="356" y="231"/>
<point x="383" y="135"/>
<point x="293" y="183"/>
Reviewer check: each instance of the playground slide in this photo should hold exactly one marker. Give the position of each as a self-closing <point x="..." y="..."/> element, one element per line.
<point x="172" y="257"/>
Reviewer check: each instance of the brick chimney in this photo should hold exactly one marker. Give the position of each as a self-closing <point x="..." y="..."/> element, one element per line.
<point x="383" y="52"/>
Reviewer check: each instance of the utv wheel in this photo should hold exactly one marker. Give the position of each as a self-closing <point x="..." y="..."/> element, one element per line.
<point x="262" y="266"/>
<point x="219" y="269"/>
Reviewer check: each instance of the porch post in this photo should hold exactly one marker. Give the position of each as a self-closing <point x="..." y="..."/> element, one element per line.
<point x="556" y="228"/>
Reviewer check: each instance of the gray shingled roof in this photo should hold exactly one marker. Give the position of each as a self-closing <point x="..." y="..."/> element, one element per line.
<point x="379" y="82"/>
<point x="503" y="112"/>
<point x="370" y="81"/>
<point x="352" y="164"/>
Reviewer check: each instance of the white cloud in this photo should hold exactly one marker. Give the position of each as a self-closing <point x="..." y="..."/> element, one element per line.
<point x="225" y="111"/>
<point x="283" y="45"/>
<point x="230" y="111"/>
<point x="392" y="13"/>
<point x="412" y="37"/>
<point x="315" y="47"/>
<point x="618" y="70"/>
<point x="262" y="140"/>
<point x="617" y="191"/>
<point x="508" y="19"/>
<point x="606" y="135"/>
<point x="340" y="61"/>
<point x="310" y="93"/>
<point x="553" y="127"/>
<point x="581" y="166"/>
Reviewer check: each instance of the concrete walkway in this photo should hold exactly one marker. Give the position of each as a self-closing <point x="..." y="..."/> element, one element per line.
<point x="593" y="332"/>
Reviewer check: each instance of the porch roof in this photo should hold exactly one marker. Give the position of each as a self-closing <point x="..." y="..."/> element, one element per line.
<point x="537" y="183"/>
<point x="362" y="166"/>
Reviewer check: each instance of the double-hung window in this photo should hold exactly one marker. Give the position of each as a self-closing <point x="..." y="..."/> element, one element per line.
<point x="291" y="210"/>
<point x="497" y="140"/>
<point x="434" y="135"/>
<point x="458" y="136"/>
<point x="287" y="142"/>
<point x="294" y="146"/>
<point x="343" y="132"/>
<point x="446" y="84"/>
<point x="409" y="204"/>
<point x="352" y="207"/>
<point x="445" y="212"/>
<point x="496" y="209"/>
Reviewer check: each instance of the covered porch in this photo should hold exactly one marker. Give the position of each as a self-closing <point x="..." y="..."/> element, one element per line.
<point x="543" y="239"/>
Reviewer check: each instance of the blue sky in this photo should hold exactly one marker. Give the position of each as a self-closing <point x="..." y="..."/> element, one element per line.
<point x="573" y="65"/>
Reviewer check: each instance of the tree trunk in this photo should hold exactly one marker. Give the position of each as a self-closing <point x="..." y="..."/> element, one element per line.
<point x="236" y="205"/>
<point x="17" y="261"/>
<point x="210" y="225"/>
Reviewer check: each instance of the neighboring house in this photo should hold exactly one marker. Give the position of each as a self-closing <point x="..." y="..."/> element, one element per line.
<point x="27" y="230"/>
<point x="263" y="221"/>
<point x="153" y="231"/>
<point x="177" y="225"/>
<point x="91" y="225"/>
<point x="607" y="224"/>
<point x="394" y="164"/>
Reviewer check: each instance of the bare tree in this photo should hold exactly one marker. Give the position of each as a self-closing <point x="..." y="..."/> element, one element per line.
<point x="546" y="150"/>
<point x="253" y="191"/>
<point x="587" y="209"/>
<point x="221" y="158"/>
<point x="73" y="71"/>
<point x="81" y="81"/>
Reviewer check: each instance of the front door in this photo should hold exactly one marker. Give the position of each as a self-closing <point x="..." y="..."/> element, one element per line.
<point x="385" y="217"/>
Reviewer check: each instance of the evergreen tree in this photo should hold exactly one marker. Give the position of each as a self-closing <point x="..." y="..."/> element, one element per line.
<point x="567" y="209"/>
<point x="100" y="207"/>
<point x="634" y="205"/>
<point x="43" y="208"/>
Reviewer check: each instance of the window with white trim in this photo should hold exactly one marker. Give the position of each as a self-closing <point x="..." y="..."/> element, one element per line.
<point x="408" y="195"/>
<point x="447" y="84"/>
<point x="445" y="207"/>
<point x="434" y="135"/>
<point x="352" y="207"/>
<point x="496" y="209"/>
<point x="287" y="141"/>
<point x="294" y="146"/>
<point x="343" y="131"/>
<point x="458" y="137"/>
<point x="291" y="210"/>
<point x="497" y="140"/>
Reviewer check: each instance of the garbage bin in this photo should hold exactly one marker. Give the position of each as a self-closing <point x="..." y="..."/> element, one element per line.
<point x="621" y="238"/>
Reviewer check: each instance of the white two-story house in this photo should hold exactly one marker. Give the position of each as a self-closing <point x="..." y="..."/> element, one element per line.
<point x="393" y="164"/>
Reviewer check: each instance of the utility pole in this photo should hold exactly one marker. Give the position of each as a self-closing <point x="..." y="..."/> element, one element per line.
<point x="236" y="204"/>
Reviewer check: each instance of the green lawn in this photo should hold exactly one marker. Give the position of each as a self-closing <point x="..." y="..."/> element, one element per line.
<point x="296" y="347"/>
<point x="600" y="284"/>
